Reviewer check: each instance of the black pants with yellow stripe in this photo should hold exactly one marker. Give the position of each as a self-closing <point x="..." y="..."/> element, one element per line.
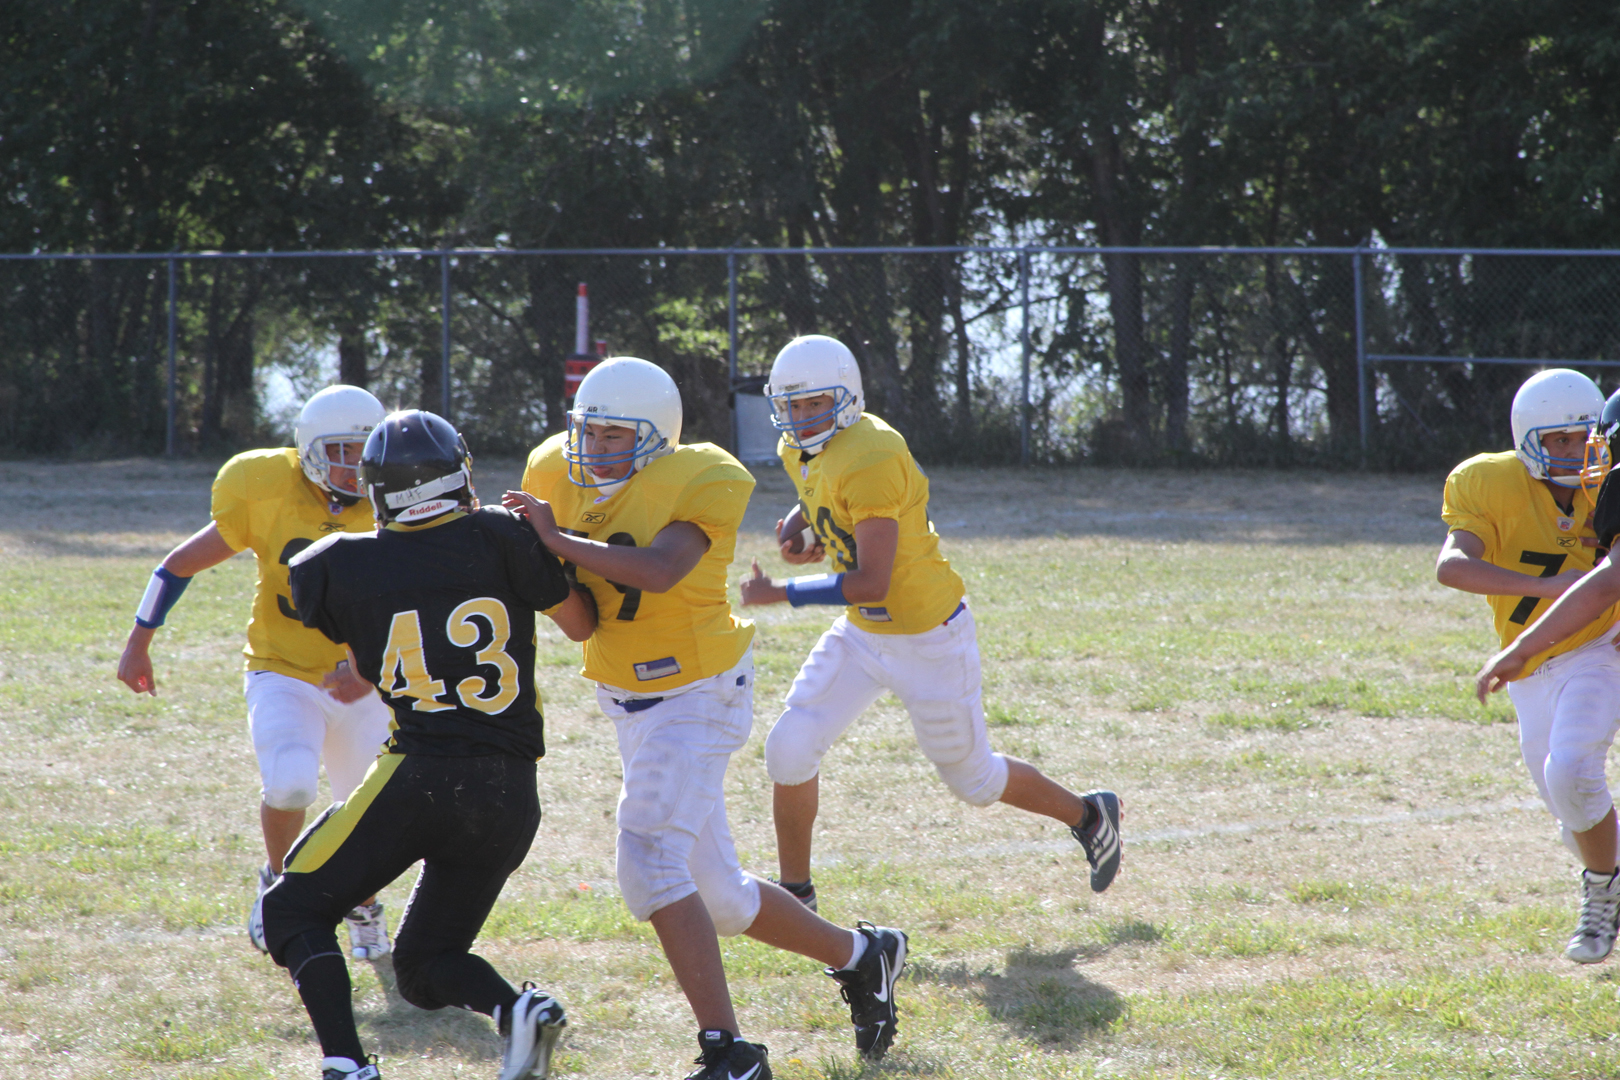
<point x="469" y="819"/>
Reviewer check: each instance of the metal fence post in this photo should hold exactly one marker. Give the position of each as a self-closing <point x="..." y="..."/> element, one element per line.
<point x="1361" y="353"/>
<point x="169" y="417"/>
<point x="444" y="335"/>
<point x="1023" y="341"/>
<point x="731" y="349"/>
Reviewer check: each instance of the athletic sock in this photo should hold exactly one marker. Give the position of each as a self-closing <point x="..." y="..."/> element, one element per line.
<point x="1089" y="818"/>
<point x="322" y="978"/>
<point x="860" y="951"/>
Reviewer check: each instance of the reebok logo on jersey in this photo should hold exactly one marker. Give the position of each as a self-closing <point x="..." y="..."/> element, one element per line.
<point x="332" y="526"/>
<point x="593" y="517"/>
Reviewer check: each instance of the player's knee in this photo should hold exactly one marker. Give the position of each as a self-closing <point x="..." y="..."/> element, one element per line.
<point x="650" y="877"/>
<point x="292" y="780"/>
<point x="978" y="781"/>
<point x="1578" y="790"/>
<point x="734" y="906"/>
<point x="293" y="951"/>
<point x="792" y="755"/>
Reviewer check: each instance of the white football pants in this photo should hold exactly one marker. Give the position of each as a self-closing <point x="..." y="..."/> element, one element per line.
<point x="935" y="674"/>
<point x="1569" y="711"/>
<point x="674" y="839"/>
<point x="294" y="722"/>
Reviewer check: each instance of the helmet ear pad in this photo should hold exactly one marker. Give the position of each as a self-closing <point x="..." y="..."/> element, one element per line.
<point x="415" y="467"/>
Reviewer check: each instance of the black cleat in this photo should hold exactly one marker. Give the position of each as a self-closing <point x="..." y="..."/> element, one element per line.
<point x="1101" y="842"/>
<point x="869" y="989"/>
<point x="726" y="1057"/>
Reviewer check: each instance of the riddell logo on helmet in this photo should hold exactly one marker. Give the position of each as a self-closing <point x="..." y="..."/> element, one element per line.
<point x="427" y="509"/>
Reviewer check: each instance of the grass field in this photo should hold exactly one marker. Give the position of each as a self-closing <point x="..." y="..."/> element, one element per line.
<point x="1334" y="863"/>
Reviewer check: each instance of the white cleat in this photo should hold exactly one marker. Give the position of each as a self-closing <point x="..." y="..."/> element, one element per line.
<point x="368" y="932"/>
<point x="537" y="1021"/>
<point x="255" y="923"/>
<point x="1600" y="918"/>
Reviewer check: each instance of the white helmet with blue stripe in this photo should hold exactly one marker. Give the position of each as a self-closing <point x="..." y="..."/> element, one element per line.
<point x="623" y="391"/>
<point x="810" y="366"/>
<point x="1555" y="400"/>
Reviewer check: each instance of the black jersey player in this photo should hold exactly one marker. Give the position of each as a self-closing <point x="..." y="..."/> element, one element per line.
<point x="437" y="610"/>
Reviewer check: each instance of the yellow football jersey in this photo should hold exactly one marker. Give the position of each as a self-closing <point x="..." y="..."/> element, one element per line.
<point x="866" y="471"/>
<point x="546" y="467"/>
<point x="647" y="642"/>
<point x="1494" y="497"/>
<point x="263" y="501"/>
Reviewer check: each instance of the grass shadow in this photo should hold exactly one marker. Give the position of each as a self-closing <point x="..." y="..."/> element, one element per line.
<point x="1044" y="999"/>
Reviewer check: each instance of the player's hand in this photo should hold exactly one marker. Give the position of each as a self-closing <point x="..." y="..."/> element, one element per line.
<point x="344" y="684"/>
<point x="1498" y="671"/>
<point x="757" y="588"/>
<point x="541" y="519"/>
<point x="812" y="554"/>
<point x="135" y="666"/>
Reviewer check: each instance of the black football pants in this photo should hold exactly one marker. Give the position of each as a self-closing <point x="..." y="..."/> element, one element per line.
<point x="469" y="819"/>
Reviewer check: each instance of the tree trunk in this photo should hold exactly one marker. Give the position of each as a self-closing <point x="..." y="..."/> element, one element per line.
<point x="1175" y="371"/>
<point x="1124" y="275"/>
<point x="352" y="355"/>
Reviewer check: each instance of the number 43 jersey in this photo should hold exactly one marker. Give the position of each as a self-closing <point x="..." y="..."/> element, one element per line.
<point x="441" y="620"/>
<point x="646" y="642"/>
<point x="1494" y="497"/>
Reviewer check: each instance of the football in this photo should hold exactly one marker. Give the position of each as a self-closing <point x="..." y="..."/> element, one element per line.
<point x="796" y="532"/>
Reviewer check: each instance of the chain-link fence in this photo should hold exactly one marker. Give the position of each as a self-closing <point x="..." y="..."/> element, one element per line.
<point x="1400" y="358"/>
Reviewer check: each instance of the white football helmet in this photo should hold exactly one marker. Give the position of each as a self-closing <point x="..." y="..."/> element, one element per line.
<point x="338" y="414"/>
<point x="623" y="391"/>
<point x="809" y="366"/>
<point x="1555" y="400"/>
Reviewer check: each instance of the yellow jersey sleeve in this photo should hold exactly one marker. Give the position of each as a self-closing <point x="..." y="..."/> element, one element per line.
<point x="1469" y="504"/>
<point x="232" y="509"/>
<point x="715" y="502"/>
<point x="546" y="468"/>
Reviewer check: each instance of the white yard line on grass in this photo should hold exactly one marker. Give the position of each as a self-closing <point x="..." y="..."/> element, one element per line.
<point x="1231" y="828"/>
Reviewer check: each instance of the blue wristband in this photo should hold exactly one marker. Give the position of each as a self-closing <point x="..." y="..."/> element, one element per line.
<point x="162" y="592"/>
<point x="817" y="589"/>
